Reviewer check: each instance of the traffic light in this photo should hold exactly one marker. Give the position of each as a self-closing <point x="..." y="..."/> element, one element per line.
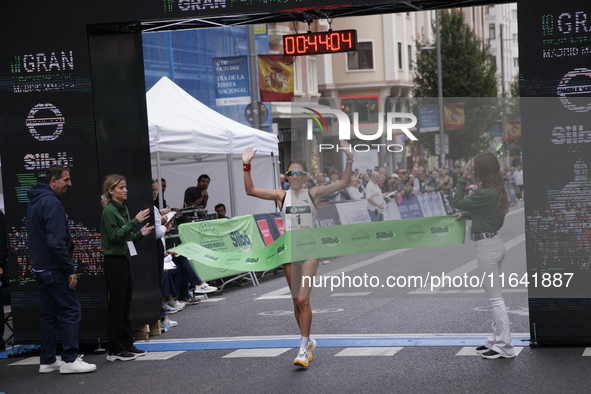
<point x="499" y="150"/>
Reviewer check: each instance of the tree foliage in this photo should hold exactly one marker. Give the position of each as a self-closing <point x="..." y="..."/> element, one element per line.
<point x="468" y="70"/>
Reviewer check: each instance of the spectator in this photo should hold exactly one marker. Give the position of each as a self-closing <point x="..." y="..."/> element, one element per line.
<point x="356" y="192"/>
<point x="116" y="233"/>
<point x="518" y="176"/>
<point x="164" y="205"/>
<point x="196" y="196"/>
<point x="334" y="178"/>
<point x="52" y="248"/>
<point x="416" y="183"/>
<point x="221" y="210"/>
<point x="284" y="184"/>
<point x="365" y="181"/>
<point x="3" y="276"/>
<point x="375" y="200"/>
<point x="382" y="183"/>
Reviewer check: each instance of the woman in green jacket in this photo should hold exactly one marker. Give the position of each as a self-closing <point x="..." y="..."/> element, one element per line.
<point x="116" y="234"/>
<point x="487" y="208"/>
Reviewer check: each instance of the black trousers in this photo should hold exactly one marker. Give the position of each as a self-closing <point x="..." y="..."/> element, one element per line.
<point x="119" y="289"/>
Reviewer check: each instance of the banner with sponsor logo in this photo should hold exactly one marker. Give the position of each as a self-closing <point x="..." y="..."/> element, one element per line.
<point x="238" y="234"/>
<point x="326" y="242"/>
<point x="275" y="78"/>
<point x="353" y="212"/>
<point x="428" y="118"/>
<point x="410" y="208"/>
<point x="431" y="204"/>
<point x="391" y="211"/>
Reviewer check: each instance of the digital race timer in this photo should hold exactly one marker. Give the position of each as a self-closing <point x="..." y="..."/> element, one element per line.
<point x="318" y="43"/>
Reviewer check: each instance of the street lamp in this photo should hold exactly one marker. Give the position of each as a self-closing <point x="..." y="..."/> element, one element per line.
<point x="439" y="88"/>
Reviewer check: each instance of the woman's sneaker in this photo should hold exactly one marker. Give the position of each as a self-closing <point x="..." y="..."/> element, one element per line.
<point x="204" y="288"/>
<point x="311" y="346"/>
<point x="77" y="366"/>
<point x="136" y="351"/>
<point x="123" y="355"/>
<point x="491" y="355"/>
<point x="482" y="349"/>
<point x="302" y="359"/>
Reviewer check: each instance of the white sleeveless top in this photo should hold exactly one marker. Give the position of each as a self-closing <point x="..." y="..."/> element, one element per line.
<point x="298" y="213"/>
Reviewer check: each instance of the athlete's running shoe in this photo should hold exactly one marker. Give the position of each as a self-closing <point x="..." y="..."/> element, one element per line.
<point x="311" y="346"/>
<point x="302" y="358"/>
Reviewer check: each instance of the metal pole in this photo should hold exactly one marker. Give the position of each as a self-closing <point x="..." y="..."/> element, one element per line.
<point x="502" y="59"/>
<point x="230" y="163"/>
<point x="160" y="198"/>
<point x="254" y="88"/>
<point x="440" y="90"/>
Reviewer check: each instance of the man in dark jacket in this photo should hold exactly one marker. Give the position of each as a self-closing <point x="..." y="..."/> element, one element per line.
<point x="51" y="249"/>
<point x="3" y="276"/>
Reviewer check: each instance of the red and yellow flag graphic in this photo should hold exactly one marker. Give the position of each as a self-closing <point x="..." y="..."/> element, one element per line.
<point x="514" y="129"/>
<point x="454" y="116"/>
<point x="275" y="78"/>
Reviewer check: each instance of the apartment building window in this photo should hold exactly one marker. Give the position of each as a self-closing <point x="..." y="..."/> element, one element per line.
<point x="514" y="14"/>
<point x="410" y="57"/>
<point x="515" y="38"/>
<point x="494" y="60"/>
<point x="366" y="106"/>
<point x="515" y="62"/>
<point x="491" y="31"/>
<point x="311" y="79"/>
<point x="400" y="55"/>
<point x="362" y="59"/>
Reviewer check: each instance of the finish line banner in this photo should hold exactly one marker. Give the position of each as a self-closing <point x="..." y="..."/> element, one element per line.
<point x="325" y="242"/>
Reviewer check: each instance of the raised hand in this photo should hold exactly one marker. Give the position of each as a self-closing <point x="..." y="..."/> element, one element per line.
<point x="467" y="171"/>
<point x="347" y="149"/>
<point x="146" y="230"/>
<point x="248" y="154"/>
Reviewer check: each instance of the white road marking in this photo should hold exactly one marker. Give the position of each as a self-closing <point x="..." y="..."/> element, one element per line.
<point x="241" y="353"/>
<point x="358" y="294"/>
<point x="159" y="356"/>
<point x="368" y="351"/>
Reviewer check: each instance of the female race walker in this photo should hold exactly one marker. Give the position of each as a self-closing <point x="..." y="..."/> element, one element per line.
<point x="487" y="208"/>
<point x="306" y="201"/>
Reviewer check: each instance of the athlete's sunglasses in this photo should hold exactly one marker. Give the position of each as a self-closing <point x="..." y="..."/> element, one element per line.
<point x="295" y="172"/>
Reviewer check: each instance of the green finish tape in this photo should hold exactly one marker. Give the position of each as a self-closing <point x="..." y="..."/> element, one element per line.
<point x="325" y="242"/>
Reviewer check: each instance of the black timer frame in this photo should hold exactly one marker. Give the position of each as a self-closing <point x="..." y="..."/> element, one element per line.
<point x="84" y="61"/>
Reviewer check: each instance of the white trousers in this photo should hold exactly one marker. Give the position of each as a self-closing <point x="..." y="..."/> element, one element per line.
<point x="490" y="253"/>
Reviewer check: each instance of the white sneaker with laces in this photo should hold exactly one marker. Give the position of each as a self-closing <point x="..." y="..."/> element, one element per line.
<point x="302" y="359"/>
<point x="47" y="368"/>
<point x="176" y="304"/>
<point x="77" y="366"/>
<point x="204" y="288"/>
<point x="169" y="309"/>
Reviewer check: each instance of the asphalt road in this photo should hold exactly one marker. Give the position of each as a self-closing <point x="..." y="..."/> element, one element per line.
<point x="370" y="339"/>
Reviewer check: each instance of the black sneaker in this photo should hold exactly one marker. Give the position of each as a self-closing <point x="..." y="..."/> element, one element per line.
<point x="482" y="349"/>
<point x="123" y="355"/>
<point x="136" y="351"/>
<point x="188" y="300"/>
<point x="491" y="355"/>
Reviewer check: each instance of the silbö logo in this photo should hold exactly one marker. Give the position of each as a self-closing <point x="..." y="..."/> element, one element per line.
<point x="344" y="124"/>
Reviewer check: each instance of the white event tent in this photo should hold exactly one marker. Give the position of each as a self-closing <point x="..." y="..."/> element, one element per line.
<point x="188" y="139"/>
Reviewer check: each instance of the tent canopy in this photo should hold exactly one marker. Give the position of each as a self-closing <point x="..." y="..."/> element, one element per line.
<point x="188" y="138"/>
<point x="180" y="125"/>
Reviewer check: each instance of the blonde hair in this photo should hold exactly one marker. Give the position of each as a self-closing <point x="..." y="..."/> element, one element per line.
<point x="110" y="182"/>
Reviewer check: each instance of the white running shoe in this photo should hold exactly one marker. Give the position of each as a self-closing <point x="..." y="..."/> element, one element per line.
<point x="77" y="366"/>
<point x="204" y="288"/>
<point x="311" y="346"/>
<point x="47" y="368"/>
<point x="302" y="359"/>
<point x="176" y="304"/>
